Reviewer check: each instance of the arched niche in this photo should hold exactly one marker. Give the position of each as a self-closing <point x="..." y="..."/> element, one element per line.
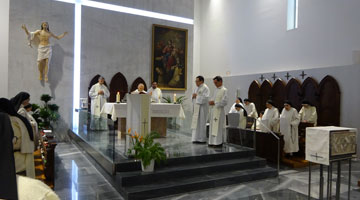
<point x="118" y="84"/>
<point x="265" y="91"/>
<point x="310" y="91"/>
<point x="93" y="81"/>
<point x="329" y="102"/>
<point x="278" y="94"/>
<point x="135" y="84"/>
<point x="254" y="94"/>
<point x="293" y="93"/>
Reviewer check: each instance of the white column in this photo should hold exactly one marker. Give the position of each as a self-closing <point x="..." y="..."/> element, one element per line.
<point x="4" y="46"/>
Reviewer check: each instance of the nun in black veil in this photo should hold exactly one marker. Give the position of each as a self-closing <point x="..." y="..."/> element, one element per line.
<point x="23" y="146"/>
<point x="23" y="98"/>
<point x="8" y="188"/>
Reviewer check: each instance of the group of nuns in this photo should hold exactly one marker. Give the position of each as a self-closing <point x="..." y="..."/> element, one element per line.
<point x="17" y="135"/>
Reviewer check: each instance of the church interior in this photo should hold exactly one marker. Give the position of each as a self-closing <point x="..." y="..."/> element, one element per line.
<point x="179" y="99"/>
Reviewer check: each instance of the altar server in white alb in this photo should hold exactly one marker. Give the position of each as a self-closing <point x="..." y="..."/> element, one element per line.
<point x="98" y="94"/>
<point x="155" y="93"/>
<point x="243" y="114"/>
<point x="237" y="101"/>
<point x="250" y="108"/>
<point x="217" y="120"/>
<point x="270" y="118"/>
<point x="308" y="113"/>
<point x="200" y="98"/>
<point x="289" y="123"/>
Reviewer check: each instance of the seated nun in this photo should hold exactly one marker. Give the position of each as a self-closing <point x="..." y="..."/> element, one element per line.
<point x="7" y="165"/>
<point x="20" y="100"/>
<point x="243" y="114"/>
<point x="23" y="139"/>
<point x="140" y="89"/>
<point x="26" y="112"/>
<point x="14" y="186"/>
<point x="289" y="123"/>
<point x="237" y="101"/>
<point x="308" y="113"/>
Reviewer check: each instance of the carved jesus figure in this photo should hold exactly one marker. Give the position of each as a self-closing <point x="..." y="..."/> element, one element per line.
<point x="42" y="36"/>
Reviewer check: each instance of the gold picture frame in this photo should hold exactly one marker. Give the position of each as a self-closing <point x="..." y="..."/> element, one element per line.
<point x="169" y="57"/>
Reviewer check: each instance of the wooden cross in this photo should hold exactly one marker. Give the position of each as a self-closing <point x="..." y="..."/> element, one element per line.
<point x="316" y="156"/>
<point x="303" y="74"/>
<point x="274" y="77"/>
<point x="215" y="119"/>
<point x="287" y="76"/>
<point x="262" y="77"/>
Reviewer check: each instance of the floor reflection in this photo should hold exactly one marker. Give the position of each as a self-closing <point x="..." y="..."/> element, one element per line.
<point x="74" y="180"/>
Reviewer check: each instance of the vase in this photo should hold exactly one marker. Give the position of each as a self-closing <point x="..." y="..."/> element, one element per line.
<point x="149" y="168"/>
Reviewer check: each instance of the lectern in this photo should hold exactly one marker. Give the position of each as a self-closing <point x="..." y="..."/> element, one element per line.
<point x="138" y="116"/>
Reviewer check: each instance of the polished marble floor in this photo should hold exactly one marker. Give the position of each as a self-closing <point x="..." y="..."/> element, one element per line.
<point x="77" y="178"/>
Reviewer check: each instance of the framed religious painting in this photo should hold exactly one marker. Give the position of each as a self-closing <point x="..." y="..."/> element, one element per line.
<point x="169" y="57"/>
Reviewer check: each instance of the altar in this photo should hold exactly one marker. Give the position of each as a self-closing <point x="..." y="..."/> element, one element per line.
<point x="159" y="113"/>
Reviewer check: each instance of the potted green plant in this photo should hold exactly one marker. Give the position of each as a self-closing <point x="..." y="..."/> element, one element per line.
<point x="47" y="113"/>
<point x="146" y="150"/>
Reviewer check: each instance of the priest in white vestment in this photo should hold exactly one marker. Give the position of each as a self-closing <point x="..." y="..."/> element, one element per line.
<point x="155" y="93"/>
<point x="200" y="99"/>
<point x="98" y="94"/>
<point x="140" y="89"/>
<point x="217" y="129"/>
<point x="271" y="117"/>
<point x="237" y="101"/>
<point x="308" y="113"/>
<point x="243" y="114"/>
<point x="250" y="108"/>
<point x="289" y="123"/>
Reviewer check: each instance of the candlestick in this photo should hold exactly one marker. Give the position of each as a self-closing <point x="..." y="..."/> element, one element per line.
<point x="118" y="97"/>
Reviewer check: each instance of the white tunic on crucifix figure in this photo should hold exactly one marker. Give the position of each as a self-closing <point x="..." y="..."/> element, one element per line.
<point x="98" y="119"/>
<point x="217" y="119"/>
<point x="289" y="123"/>
<point x="200" y="115"/>
<point x="271" y="117"/>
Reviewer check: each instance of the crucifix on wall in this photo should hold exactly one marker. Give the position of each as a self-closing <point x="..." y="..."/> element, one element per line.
<point x="274" y="76"/>
<point x="262" y="77"/>
<point x="287" y="75"/>
<point x="303" y="74"/>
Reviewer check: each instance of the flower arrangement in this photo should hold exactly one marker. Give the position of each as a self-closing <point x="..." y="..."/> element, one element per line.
<point x="145" y="149"/>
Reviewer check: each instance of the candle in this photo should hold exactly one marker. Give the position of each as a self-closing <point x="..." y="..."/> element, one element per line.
<point x="174" y="98"/>
<point x="118" y="97"/>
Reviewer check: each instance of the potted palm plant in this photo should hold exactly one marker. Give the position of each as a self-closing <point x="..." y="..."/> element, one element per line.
<point x="146" y="150"/>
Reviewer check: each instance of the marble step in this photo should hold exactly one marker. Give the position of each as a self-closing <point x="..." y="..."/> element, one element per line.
<point x="192" y="169"/>
<point x="130" y="165"/>
<point x="161" y="188"/>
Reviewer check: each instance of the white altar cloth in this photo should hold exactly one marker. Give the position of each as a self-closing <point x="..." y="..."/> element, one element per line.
<point x="119" y="110"/>
<point x="317" y="148"/>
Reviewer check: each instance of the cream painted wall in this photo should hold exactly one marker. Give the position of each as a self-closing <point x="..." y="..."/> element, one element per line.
<point x="249" y="36"/>
<point x="4" y="47"/>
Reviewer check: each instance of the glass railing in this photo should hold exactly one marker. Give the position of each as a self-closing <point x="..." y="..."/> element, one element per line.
<point x="99" y="132"/>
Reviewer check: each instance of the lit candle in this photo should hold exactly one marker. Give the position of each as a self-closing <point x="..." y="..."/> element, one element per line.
<point x="174" y="98"/>
<point x="118" y="97"/>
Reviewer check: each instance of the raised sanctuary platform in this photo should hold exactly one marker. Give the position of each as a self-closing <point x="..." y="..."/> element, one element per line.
<point x="189" y="166"/>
